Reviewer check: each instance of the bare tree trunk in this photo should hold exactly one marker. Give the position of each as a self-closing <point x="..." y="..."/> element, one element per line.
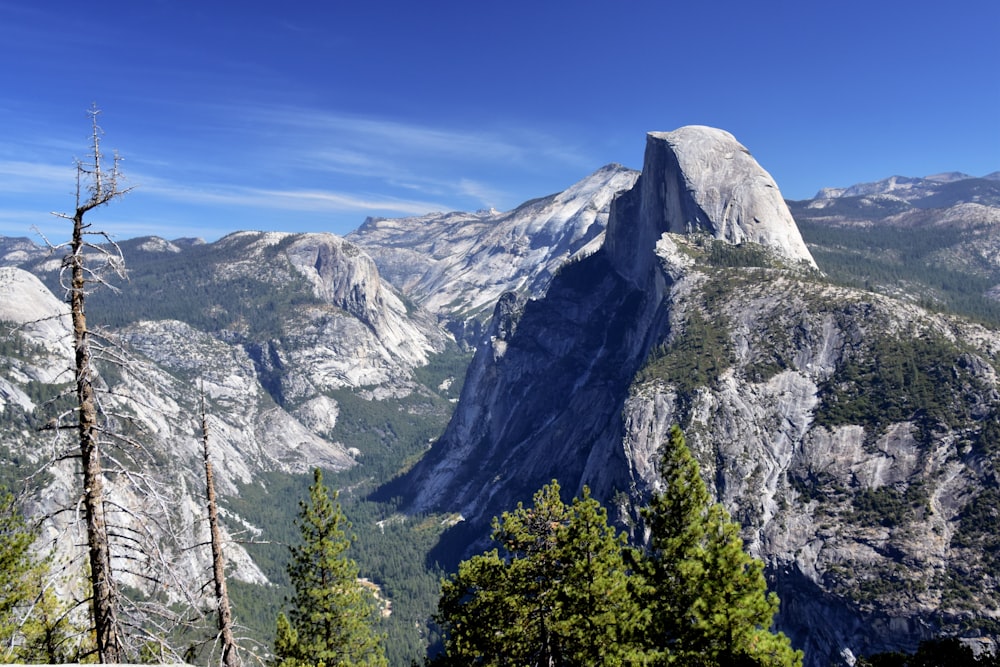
<point x="101" y="579"/>
<point x="229" y="657"/>
<point x="94" y="188"/>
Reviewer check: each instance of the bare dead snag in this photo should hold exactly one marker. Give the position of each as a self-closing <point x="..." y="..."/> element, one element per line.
<point x="229" y="657"/>
<point x="94" y="188"/>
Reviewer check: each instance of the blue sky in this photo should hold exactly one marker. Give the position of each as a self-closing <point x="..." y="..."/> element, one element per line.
<point x="311" y="115"/>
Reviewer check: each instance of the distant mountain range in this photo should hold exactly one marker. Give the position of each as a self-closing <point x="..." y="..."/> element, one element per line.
<point x="916" y="190"/>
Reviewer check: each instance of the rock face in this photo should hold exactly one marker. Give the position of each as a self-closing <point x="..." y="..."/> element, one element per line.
<point x="597" y="324"/>
<point x="702" y="309"/>
<point x="700" y="179"/>
<point x="457" y="265"/>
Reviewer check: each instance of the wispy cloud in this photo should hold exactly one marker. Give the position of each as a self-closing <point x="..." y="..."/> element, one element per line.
<point x="488" y="195"/>
<point x="292" y="199"/>
<point x="31" y="177"/>
<point x="245" y="165"/>
<point x="374" y="146"/>
<point x="393" y="137"/>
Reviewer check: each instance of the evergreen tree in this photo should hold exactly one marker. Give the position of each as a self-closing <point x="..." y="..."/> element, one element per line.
<point x="35" y="626"/>
<point x="16" y="569"/>
<point x="598" y="616"/>
<point x="558" y="596"/>
<point x="332" y="615"/>
<point x="675" y="518"/>
<point x="708" y="597"/>
<point x="53" y="633"/>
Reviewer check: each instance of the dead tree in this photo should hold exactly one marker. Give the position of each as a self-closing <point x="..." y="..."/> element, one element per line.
<point x="94" y="187"/>
<point x="225" y="616"/>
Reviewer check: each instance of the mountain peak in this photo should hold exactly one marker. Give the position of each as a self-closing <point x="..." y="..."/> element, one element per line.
<point x="700" y="179"/>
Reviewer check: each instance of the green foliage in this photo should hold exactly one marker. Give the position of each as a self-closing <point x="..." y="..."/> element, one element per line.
<point x="563" y="588"/>
<point x="979" y="529"/>
<point x="987" y="442"/>
<point x="883" y="257"/>
<point x="725" y="254"/>
<point x="215" y="297"/>
<point x="890" y="507"/>
<point x="35" y="626"/>
<point x="695" y="358"/>
<point x="389" y="548"/>
<point x="675" y="518"/>
<point x="51" y="633"/>
<point x="389" y="432"/>
<point x="393" y="550"/>
<point x="16" y="567"/>
<point x="890" y="379"/>
<point x="332" y="616"/>
<point x="559" y="594"/>
<point x="707" y="596"/>
<point x="445" y="372"/>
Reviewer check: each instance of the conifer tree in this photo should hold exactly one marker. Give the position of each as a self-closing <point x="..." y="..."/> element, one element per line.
<point x="530" y="536"/>
<point x="708" y="597"/>
<point x="53" y="634"/>
<point x="332" y="615"/>
<point x="598" y="616"/>
<point x="558" y="596"/>
<point x="35" y="626"/>
<point x="16" y="567"/>
<point x="675" y="518"/>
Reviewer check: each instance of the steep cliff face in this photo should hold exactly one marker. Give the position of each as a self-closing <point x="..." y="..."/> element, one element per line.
<point x="845" y="430"/>
<point x="575" y="352"/>
<point x="699" y="179"/>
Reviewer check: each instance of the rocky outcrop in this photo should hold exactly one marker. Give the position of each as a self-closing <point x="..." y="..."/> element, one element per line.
<point x="699" y="179"/>
<point x="378" y="343"/>
<point x="457" y="265"/>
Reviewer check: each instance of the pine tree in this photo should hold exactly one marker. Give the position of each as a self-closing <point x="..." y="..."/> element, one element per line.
<point x="534" y="573"/>
<point x="16" y="569"/>
<point x="708" y="597"/>
<point x="53" y="633"/>
<point x="35" y="625"/>
<point x="481" y="621"/>
<point x="675" y="518"/>
<point x="599" y="618"/>
<point x="558" y="596"/>
<point x="332" y="615"/>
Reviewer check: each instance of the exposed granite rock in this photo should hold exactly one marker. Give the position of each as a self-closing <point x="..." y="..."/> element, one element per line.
<point x="457" y="265"/>
<point x="699" y="179"/>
